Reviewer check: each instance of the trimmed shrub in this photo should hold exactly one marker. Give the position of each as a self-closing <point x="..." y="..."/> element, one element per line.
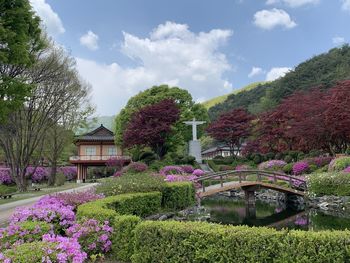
<point x="273" y="165"/>
<point x="171" y="169"/>
<point x="140" y="204"/>
<point x="122" y="246"/>
<point x="202" y="242"/>
<point x="330" y="184"/>
<point x="5" y="189"/>
<point x="136" y="167"/>
<point x="339" y="164"/>
<point x="178" y="195"/>
<point x="288" y="168"/>
<point x="131" y="183"/>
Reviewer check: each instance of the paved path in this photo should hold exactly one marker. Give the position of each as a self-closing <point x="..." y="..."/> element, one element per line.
<point x="6" y="210"/>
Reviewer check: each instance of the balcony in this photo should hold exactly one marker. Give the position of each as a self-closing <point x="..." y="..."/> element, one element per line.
<point x="96" y="158"/>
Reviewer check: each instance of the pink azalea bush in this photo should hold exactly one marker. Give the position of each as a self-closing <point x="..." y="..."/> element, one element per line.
<point x="347" y="170"/>
<point x="70" y="172"/>
<point x="48" y="209"/>
<point x="74" y="199"/>
<point x="198" y="172"/>
<point x="272" y="165"/>
<point x="319" y="161"/>
<point x="136" y="167"/>
<point x="301" y="167"/>
<point x="188" y="169"/>
<point x="17" y="234"/>
<point x="38" y="174"/>
<point x="5" y="176"/>
<point x="171" y="169"/>
<point x="93" y="236"/>
<point x="180" y="178"/>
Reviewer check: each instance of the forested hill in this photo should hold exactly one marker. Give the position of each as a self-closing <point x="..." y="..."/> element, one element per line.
<point x="324" y="69"/>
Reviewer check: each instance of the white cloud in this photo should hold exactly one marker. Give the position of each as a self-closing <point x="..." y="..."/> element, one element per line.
<point x="269" y="19"/>
<point x="338" y="40"/>
<point x="346" y="5"/>
<point x="255" y="71"/>
<point x="89" y="40"/>
<point x="50" y="19"/>
<point x="276" y="73"/>
<point x="293" y="3"/>
<point x="172" y="54"/>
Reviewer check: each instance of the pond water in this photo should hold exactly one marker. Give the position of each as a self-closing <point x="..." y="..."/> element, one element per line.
<point x="233" y="211"/>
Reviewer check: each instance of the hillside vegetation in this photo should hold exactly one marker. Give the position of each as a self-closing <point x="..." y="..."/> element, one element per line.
<point x="212" y="102"/>
<point x="322" y="70"/>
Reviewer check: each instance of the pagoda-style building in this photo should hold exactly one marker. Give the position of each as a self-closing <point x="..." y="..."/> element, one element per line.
<point x="95" y="148"/>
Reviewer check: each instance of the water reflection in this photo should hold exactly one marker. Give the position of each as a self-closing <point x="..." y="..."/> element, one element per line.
<point x="233" y="211"/>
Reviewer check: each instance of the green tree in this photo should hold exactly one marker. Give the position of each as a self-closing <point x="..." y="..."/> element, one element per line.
<point x="20" y="41"/>
<point x="188" y="110"/>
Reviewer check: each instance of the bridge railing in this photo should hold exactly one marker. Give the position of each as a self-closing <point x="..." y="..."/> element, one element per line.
<point x="293" y="181"/>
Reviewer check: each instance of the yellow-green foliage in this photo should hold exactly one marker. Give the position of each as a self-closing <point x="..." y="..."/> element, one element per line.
<point x="141" y="204"/>
<point x="178" y="195"/>
<point x="329" y="184"/>
<point x="212" y="102"/>
<point x="203" y="242"/>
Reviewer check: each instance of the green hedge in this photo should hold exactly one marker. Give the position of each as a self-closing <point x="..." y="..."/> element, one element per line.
<point x="123" y="236"/>
<point x="178" y="195"/>
<point x="213" y="166"/>
<point x="140" y="204"/>
<point x="203" y="242"/>
<point x="5" y="189"/>
<point x="329" y="184"/>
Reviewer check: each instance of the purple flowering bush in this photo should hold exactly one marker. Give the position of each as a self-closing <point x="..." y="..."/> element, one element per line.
<point x="347" y="170"/>
<point x="48" y="209"/>
<point x="272" y="165"/>
<point x="319" y="161"/>
<point x="301" y="167"/>
<point x="188" y="169"/>
<point x="136" y="167"/>
<point x="5" y="176"/>
<point x="93" y="236"/>
<point x="74" y="199"/>
<point x="38" y="174"/>
<point x="198" y="172"/>
<point x="17" y="234"/>
<point x="180" y="178"/>
<point x="70" y="172"/>
<point x="171" y="169"/>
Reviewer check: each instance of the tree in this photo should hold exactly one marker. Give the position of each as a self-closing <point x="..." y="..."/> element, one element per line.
<point x="152" y="125"/>
<point x="183" y="99"/>
<point x="20" y="41"/>
<point x="47" y="104"/>
<point x="231" y="128"/>
<point x="337" y="117"/>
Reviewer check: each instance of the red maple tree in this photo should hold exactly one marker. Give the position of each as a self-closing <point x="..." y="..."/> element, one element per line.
<point x="231" y="128"/>
<point x="152" y="125"/>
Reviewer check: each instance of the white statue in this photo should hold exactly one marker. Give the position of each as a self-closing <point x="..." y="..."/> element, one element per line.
<point x="194" y="124"/>
<point x="195" y="145"/>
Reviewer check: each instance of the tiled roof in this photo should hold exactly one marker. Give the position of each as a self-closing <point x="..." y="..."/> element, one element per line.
<point x="99" y="134"/>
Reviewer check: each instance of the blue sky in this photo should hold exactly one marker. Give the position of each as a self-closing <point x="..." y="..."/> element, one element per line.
<point x="207" y="47"/>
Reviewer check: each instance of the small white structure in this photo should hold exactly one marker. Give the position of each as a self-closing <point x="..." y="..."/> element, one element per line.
<point x="195" y="149"/>
<point x="223" y="151"/>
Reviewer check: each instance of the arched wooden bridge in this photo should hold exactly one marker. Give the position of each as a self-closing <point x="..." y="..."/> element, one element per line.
<point x="250" y="181"/>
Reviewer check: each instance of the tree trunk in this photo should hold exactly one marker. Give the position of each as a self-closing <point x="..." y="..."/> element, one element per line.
<point x="19" y="176"/>
<point x="52" y="177"/>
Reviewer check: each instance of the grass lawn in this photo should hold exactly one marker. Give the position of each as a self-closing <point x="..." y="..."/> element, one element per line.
<point x="44" y="190"/>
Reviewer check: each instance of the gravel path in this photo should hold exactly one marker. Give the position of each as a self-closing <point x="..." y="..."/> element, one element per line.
<point x="6" y="210"/>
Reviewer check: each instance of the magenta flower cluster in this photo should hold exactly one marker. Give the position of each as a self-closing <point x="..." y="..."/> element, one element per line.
<point x="70" y="172"/>
<point x="66" y="249"/>
<point x="90" y="237"/>
<point x="347" y="170"/>
<point x="49" y="209"/>
<point x="198" y="172"/>
<point x="93" y="236"/>
<point x="5" y="176"/>
<point x="171" y="169"/>
<point x="188" y="169"/>
<point x="38" y="174"/>
<point x="74" y="199"/>
<point x="301" y="167"/>
<point x="180" y="178"/>
<point x="274" y="165"/>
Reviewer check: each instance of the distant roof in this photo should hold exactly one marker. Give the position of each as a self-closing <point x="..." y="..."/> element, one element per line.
<point x="99" y="134"/>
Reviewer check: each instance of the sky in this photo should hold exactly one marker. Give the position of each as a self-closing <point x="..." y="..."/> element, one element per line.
<point x="208" y="47"/>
